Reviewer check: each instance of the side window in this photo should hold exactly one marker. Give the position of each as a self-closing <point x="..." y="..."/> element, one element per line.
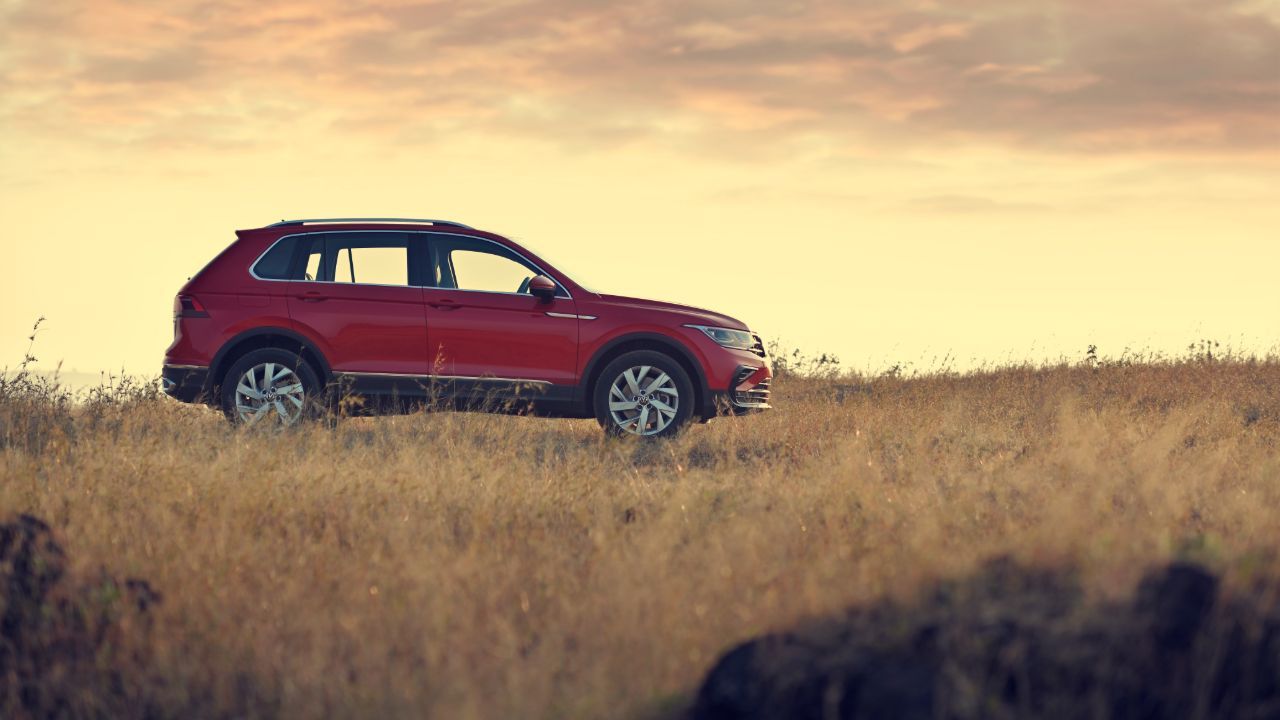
<point x="474" y="270"/>
<point x="313" y="262"/>
<point x="364" y="258"/>
<point x="277" y="262"/>
<point x="468" y="264"/>
<point x="368" y="258"/>
<point x="344" y="269"/>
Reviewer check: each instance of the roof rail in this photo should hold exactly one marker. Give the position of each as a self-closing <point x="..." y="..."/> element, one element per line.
<point x="307" y="221"/>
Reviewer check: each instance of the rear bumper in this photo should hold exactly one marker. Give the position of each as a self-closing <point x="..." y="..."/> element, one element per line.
<point x="184" y="382"/>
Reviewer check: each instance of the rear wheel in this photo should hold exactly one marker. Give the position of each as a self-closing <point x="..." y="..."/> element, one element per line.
<point x="643" y="393"/>
<point x="270" y="386"/>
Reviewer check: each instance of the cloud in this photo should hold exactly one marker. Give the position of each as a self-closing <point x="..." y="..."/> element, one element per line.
<point x="173" y="65"/>
<point x="748" y="76"/>
<point x="970" y="204"/>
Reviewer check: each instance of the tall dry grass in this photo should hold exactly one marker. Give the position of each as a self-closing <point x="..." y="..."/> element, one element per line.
<point x="461" y="565"/>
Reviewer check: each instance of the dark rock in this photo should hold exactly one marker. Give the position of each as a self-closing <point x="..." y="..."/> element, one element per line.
<point x="733" y="688"/>
<point x="897" y="685"/>
<point x="1012" y="642"/>
<point x="62" y="637"/>
<point x="31" y="562"/>
<point x="1177" y="602"/>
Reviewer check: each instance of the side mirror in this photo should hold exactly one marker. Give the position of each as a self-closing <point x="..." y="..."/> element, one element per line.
<point x="543" y="288"/>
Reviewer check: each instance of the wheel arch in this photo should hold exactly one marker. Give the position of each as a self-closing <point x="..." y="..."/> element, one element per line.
<point x="257" y="339"/>
<point x="646" y="341"/>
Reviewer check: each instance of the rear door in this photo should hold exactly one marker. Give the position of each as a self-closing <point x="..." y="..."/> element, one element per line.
<point x="483" y="323"/>
<point x="360" y="295"/>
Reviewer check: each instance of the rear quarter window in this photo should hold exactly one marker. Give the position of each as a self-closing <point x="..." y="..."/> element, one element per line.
<point x="277" y="263"/>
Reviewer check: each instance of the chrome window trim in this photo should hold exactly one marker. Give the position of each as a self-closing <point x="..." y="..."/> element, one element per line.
<point x="253" y="265"/>
<point x="282" y="238"/>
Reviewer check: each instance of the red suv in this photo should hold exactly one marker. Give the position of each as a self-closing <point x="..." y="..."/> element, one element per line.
<point x="400" y="312"/>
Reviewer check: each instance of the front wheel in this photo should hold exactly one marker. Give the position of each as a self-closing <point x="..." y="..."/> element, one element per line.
<point x="269" y="386"/>
<point x="643" y="393"/>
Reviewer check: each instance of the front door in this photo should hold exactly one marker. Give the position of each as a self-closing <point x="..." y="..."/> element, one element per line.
<point x="483" y="323"/>
<point x="360" y="295"/>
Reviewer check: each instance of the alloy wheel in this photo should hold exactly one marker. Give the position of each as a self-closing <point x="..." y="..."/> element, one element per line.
<point x="269" y="389"/>
<point x="643" y="400"/>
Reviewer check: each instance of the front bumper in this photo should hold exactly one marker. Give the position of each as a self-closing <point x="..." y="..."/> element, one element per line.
<point x="184" y="382"/>
<point x="748" y="393"/>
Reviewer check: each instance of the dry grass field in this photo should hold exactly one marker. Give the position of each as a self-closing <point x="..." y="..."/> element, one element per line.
<point x="474" y="566"/>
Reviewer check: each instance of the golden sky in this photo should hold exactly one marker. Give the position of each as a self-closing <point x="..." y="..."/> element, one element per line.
<point x="891" y="180"/>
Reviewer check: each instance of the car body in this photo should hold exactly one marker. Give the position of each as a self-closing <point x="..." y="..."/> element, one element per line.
<point x="428" y="312"/>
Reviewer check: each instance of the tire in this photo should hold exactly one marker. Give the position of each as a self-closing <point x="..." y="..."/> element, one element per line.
<point x="657" y="400"/>
<point x="292" y="396"/>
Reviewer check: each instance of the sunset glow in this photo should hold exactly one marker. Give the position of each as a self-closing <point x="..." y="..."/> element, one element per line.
<point x="989" y="180"/>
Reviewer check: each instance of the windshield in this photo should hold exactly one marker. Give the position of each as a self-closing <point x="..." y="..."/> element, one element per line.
<point x="579" y="279"/>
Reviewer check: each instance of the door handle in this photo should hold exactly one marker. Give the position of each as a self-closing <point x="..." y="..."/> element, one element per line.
<point x="312" y="296"/>
<point x="444" y="304"/>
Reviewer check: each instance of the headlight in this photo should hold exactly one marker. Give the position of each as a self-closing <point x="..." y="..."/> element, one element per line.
<point x="736" y="339"/>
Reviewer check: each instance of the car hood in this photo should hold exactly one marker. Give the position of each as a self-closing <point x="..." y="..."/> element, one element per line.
<point x="682" y="313"/>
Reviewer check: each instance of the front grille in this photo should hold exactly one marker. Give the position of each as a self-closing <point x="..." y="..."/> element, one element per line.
<point x="757" y="347"/>
<point x="756" y="396"/>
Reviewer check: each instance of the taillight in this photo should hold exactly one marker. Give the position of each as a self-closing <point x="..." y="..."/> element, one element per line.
<point x="188" y="307"/>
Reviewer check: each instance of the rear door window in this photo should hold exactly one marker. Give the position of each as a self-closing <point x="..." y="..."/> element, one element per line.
<point x="313" y="261"/>
<point x="374" y="265"/>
